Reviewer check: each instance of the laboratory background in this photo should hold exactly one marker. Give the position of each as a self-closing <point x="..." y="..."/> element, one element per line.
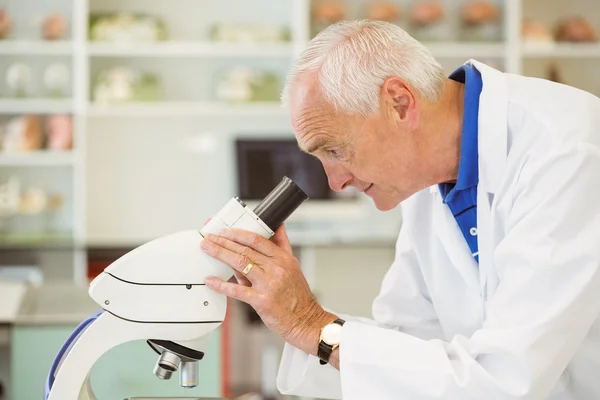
<point x="122" y="121"/>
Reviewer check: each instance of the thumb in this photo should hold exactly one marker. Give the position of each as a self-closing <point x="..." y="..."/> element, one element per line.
<point x="280" y="238"/>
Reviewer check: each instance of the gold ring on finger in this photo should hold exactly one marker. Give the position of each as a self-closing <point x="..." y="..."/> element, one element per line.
<point x="248" y="268"/>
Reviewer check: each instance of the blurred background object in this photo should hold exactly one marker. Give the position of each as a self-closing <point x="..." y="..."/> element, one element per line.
<point x="56" y="80"/>
<point x="127" y="27"/>
<point x="19" y="78"/>
<point x="575" y="29"/>
<point x="124" y="84"/>
<point x="117" y="115"/>
<point x="5" y="24"/>
<point x="383" y="10"/>
<point x="428" y="21"/>
<point x="245" y="84"/>
<point x="31" y="133"/>
<point x="481" y="21"/>
<point x="535" y="32"/>
<point x="22" y="134"/>
<point x="246" y="32"/>
<point x="554" y="74"/>
<point x="327" y="12"/>
<point x="59" y="132"/>
<point x="54" y="27"/>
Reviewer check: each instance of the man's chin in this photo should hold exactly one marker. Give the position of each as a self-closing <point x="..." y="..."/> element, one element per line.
<point x="385" y="204"/>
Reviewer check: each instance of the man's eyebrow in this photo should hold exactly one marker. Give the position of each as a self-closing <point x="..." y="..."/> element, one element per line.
<point x="315" y="145"/>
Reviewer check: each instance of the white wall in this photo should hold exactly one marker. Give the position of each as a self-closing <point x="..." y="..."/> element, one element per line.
<point x="349" y="277"/>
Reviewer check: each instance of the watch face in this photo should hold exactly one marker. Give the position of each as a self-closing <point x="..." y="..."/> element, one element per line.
<point x="332" y="334"/>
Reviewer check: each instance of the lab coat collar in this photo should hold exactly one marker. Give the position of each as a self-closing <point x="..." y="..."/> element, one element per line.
<point x="493" y="117"/>
<point x="492" y="126"/>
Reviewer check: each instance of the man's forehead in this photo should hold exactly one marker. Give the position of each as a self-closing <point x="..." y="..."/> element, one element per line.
<point x="304" y="95"/>
<point x="314" y="124"/>
<point x="308" y="109"/>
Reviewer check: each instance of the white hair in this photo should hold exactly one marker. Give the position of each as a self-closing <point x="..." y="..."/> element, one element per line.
<point x="352" y="59"/>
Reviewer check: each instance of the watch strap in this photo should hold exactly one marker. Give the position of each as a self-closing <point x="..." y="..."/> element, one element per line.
<point x="324" y="350"/>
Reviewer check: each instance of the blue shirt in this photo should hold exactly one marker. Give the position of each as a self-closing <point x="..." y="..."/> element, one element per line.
<point x="461" y="197"/>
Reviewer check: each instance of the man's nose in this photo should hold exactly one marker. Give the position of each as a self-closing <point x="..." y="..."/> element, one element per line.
<point x="338" y="176"/>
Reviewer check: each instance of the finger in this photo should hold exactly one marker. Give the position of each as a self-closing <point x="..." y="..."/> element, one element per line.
<point x="232" y="290"/>
<point x="247" y="252"/>
<point x="241" y="279"/>
<point x="251" y="240"/>
<point x="215" y="247"/>
<point x="281" y="239"/>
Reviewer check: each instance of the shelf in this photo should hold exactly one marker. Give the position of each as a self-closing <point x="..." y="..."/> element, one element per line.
<point x="37" y="241"/>
<point x="466" y="49"/>
<point x="169" y="109"/>
<point x="36" y="47"/>
<point x="39" y="106"/>
<point x="190" y="49"/>
<point x="561" y="50"/>
<point x="37" y="158"/>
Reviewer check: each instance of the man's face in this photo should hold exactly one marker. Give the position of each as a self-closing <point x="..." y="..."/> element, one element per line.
<point x="376" y="155"/>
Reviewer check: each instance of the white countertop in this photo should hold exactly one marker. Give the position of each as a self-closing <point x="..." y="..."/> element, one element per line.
<point x="11" y="295"/>
<point x="55" y="303"/>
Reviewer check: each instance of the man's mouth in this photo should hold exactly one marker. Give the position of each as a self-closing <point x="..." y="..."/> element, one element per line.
<point x="368" y="188"/>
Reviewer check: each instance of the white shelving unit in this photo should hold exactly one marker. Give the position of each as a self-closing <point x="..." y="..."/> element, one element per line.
<point x="510" y="54"/>
<point x="467" y="50"/>
<point x="38" y="159"/>
<point x="189" y="49"/>
<point x="35" y="106"/>
<point x="36" y="47"/>
<point x="563" y="51"/>
<point x="186" y="109"/>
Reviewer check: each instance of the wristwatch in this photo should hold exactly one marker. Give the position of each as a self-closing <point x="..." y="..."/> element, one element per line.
<point x="329" y="340"/>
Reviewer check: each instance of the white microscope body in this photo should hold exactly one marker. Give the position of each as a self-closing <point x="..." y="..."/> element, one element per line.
<point x="156" y="293"/>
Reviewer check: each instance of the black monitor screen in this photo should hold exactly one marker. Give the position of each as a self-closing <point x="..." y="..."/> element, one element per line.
<point x="262" y="163"/>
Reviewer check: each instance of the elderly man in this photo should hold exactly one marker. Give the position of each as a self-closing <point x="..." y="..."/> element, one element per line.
<point x="495" y="289"/>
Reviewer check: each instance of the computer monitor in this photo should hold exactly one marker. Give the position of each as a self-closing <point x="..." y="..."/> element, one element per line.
<point x="261" y="163"/>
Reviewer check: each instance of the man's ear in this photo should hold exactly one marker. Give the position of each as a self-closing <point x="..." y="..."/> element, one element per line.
<point x="396" y="93"/>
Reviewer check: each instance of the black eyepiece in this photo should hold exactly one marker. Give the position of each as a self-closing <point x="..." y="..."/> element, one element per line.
<point x="278" y="205"/>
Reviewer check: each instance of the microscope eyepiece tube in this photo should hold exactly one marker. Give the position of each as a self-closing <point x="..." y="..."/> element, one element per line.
<point x="280" y="203"/>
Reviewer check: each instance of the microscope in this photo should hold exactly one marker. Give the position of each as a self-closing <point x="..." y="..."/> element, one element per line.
<point x="156" y="293"/>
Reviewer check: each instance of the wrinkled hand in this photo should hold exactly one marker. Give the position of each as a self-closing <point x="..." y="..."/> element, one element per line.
<point x="239" y="277"/>
<point x="275" y="287"/>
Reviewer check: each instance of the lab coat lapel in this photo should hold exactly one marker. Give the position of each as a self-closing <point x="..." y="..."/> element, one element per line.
<point x="492" y="126"/>
<point x="493" y="143"/>
<point x="484" y="241"/>
<point x="454" y="243"/>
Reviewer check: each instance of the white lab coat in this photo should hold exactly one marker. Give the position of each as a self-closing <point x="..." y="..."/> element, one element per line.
<point x="524" y="323"/>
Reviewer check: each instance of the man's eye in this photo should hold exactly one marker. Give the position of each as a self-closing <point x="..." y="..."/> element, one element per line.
<point x="335" y="153"/>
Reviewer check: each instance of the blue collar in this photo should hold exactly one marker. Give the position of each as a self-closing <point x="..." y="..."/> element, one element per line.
<point x="468" y="170"/>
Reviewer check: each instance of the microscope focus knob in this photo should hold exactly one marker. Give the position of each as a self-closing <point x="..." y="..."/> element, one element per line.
<point x="167" y="364"/>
